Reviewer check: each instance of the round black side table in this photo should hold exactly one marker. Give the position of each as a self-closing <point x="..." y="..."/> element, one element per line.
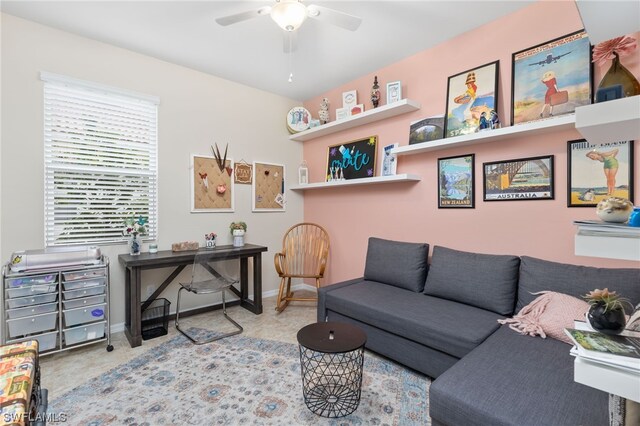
<point x="331" y="359"/>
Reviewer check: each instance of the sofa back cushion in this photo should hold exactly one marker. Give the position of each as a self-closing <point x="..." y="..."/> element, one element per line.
<point x="487" y="281"/>
<point x="397" y="263"/>
<point x="541" y="275"/>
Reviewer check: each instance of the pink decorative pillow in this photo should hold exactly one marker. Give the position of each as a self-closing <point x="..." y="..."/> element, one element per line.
<point x="548" y="315"/>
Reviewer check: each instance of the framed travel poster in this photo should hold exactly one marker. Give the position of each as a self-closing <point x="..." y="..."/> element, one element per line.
<point x="551" y="79"/>
<point x="596" y="171"/>
<point x="471" y="96"/>
<point x="521" y="179"/>
<point x="456" y="182"/>
<point x="268" y="187"/>
<point x="211" y="188"/>
<point x="352" y="160"/>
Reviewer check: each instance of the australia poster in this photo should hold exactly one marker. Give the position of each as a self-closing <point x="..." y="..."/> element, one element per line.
<point x="456" y="182"/>
<point x="598" y="171"/>
<point x="551" y="79"/>
<point x="521" y="179"/>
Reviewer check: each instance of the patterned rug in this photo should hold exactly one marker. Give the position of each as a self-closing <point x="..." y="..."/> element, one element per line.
<point x="237" y="380"/>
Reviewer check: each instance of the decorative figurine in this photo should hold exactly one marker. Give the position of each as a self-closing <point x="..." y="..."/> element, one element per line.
<point x="484" y="124"/>
<point x="324" y="111"/>
<point x="375" y="92"/>
<point x="614" y="209"/>
<point x="495" y="121"/>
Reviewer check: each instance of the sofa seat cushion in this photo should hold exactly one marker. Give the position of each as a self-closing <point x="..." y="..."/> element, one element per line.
<point x="512" y="379"/>
<point x="539" y="275"/>
<point x="447" y="326"/>
<point x="486" y="281"/>
<point x="397" y="263"/>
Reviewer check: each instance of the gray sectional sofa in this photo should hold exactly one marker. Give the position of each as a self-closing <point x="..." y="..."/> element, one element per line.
<point x="441" y="320"/>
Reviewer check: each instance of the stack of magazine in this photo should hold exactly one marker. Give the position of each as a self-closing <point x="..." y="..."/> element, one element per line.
<point x="606" y="229"/>
<point x="620" y="351"/>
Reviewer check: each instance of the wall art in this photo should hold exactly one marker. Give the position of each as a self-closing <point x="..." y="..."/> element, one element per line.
<point x="471" y="97"/>
<point x="349" y="99"/>
<point x="427" y="129"/>
<point x="243" y="173"/>
<point x="389" y="161"/>
<point x="394" y="92"/>
<point x="520" y="179"/>
<point x="211" y="188"/>
<point x="596" y="171"/>
<point x="298" y="119"/>
<point x="268" y="187"/>
<point x="352" y="160"/>
<point x="456" y="182"/>
<point x="551" y="79"/>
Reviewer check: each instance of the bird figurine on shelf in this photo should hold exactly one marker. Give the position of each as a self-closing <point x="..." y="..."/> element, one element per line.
<point x="324" y="111"/>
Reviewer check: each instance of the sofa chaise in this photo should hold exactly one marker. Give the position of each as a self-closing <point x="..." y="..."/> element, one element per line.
<point x="441" y="320"/>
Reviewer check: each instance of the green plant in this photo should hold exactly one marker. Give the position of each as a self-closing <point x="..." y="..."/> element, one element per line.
<point x="237" y="225"/>
<point x="609" y="299"/>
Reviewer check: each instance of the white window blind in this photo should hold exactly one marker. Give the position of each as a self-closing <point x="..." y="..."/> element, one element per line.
<point x="100" y="161"/>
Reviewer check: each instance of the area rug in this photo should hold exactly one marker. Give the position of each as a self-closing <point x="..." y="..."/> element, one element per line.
<point x="234" y="381"/>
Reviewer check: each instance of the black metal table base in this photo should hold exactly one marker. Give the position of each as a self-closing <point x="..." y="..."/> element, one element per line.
<point x="331" y="382"/>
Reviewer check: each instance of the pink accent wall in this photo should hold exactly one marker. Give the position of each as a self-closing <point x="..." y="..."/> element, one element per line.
<point x="408" y="211"/>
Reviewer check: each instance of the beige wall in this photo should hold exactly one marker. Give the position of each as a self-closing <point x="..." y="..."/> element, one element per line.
<point x="195" y="110"/>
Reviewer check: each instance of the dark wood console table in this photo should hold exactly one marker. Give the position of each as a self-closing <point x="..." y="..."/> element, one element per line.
<point x="134" y="265"/>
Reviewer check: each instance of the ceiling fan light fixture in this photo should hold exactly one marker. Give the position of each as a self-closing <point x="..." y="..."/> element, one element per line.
<point x="289" y="14"/>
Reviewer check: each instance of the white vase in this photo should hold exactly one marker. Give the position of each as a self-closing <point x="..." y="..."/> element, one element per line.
<point x="135" y="244"/>
<point x="238" y="237"/>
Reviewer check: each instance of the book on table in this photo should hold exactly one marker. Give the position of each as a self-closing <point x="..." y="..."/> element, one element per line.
<point x="615" y="350"/>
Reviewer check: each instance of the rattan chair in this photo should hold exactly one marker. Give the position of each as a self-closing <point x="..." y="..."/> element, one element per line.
<point x="206" y="280"/>
<point x="305" y="249"/>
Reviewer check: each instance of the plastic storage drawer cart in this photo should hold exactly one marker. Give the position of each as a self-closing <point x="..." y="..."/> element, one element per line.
<point x="60" y="308"/>
<point x="22" y="402"/>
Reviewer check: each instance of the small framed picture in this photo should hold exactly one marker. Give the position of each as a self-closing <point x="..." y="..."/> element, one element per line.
<point x="342" y="113"/>
<point x="521" y="179"/>
<point x="394" y="92"/>
<point x="349" y="99"/>
<point x="551" y="79"/>
<point x="357" y="109"/>
<point x="426" y="129"/>
<point x="389" y="161"/>
<point x="471" y="100"/>
<point x="597" y="171"/>
<point x="456" y="182"/>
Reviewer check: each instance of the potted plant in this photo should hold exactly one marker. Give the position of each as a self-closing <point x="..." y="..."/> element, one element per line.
<point x="134" y="229"/>
<point x="238" y="229"/>
<point x="606" y="313"/>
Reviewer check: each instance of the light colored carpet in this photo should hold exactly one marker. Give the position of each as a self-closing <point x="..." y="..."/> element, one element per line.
<point x="237" y="380"/>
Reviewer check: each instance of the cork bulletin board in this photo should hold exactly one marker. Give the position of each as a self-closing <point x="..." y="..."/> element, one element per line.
<point x="211" y="188"/>
<point x="268" y="187"/>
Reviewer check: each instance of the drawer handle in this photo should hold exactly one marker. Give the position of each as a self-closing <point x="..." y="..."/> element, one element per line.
<point x="33" y="300"/>
<point x="33" y="320"/>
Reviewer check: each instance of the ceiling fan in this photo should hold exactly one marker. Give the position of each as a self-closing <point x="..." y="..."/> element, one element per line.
<point x="290" y="14"/>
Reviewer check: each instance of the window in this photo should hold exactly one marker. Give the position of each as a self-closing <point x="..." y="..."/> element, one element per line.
<point x="100" y="161"/>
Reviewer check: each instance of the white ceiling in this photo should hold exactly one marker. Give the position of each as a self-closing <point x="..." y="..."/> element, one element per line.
<point x="251" y="52"/>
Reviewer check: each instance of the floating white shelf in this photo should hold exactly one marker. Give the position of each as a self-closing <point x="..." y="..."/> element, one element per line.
<point x="386" y="111"/>
<point x="611" y="121"/>
<point x="610" y="243"/>
<point x="354" y="182"/>
<point x="563" y="122"/>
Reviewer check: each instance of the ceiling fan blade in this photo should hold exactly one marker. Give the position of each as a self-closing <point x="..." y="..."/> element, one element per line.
<point x="290" y="41"/>
<point x="243" y="16"/>
<point x="332" y="16"/>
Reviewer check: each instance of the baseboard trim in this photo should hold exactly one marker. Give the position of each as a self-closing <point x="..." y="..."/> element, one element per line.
<point x="119" y="327"/>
